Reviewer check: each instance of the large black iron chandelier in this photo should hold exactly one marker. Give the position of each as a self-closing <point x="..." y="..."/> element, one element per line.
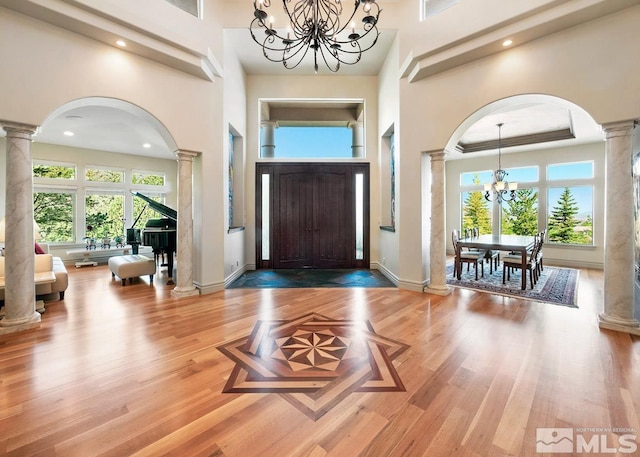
<point x="502" y="189"/>
<point x="317" y="25"/>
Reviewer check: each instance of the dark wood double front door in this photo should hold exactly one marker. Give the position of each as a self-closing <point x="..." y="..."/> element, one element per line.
<point x="315" y="214"/>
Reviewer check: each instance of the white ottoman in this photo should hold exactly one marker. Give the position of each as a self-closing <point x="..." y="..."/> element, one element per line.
<point x="131" y="266"/>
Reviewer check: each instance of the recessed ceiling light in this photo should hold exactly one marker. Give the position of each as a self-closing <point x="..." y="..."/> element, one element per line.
<point x="121" y="43"/>
<point x="146" y="145"/>
<point x="68" y="133"/>
<point x="506" y="43"/>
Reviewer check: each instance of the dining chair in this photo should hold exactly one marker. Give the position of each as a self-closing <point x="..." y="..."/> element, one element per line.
<point x="510" y="262"/>
<point x="493" y="258"/>
<point x="539" y="261"/>
<point x="469" y="257"/>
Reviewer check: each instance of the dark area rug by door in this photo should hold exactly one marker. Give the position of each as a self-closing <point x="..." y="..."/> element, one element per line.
<point x="556" y="285"/>
<point x="310" y="277"/>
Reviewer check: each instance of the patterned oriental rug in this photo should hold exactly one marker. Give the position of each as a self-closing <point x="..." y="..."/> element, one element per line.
<point x="556" y="285"/>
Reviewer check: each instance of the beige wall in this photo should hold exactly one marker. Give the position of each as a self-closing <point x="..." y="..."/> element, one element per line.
<point x="388" y="117"/>
<point x="235" y="115"/>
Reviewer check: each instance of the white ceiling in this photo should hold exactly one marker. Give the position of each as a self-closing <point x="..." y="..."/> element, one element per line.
<point x="104" y="128"/>
<point x="250" y="55"/>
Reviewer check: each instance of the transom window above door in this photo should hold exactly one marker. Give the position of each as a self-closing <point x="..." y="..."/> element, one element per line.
<point x="312" y="129"/>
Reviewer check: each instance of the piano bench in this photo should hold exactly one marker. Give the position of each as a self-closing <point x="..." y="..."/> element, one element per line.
<point x="131" y="266"/>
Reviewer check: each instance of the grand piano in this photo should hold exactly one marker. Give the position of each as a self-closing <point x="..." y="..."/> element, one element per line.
<point x="159" y="234"/>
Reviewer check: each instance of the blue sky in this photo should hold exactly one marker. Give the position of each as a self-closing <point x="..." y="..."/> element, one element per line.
<point x="317" y="142"/>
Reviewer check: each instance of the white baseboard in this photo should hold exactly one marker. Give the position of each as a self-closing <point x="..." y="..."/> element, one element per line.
<point x="209" y="288"/>
<point x="573" y="264"/>
<point x="233" y="276"/>
<point x="385" y="272"/>
<point x="400" y="283"/>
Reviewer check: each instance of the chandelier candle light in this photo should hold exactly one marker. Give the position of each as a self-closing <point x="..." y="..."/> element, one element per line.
<point x="502" y="190"/>
<point x="317" y="25"/>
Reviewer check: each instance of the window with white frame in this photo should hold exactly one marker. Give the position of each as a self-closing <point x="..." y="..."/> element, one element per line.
<point x="147" y="178"/>
<point x="313" y="141"/>
<point x="570" y="196"/>
<point x="476" y="210"/>
<point x="99" y="174"/>
<point x="53" y="170"/>
<point x="104" y="214"/>
<point x="567" y="189"/>
<point x="520" y="216"/>
<point x="53" y="210"/>
<point x="65" y="217"/>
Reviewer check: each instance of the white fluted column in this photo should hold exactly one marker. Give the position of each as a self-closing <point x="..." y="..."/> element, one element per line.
<point x="438" y="252"/>
<point x="268" y="142"/>
<point x="185" y="285"/>
<point x="619" y="228"/>
<point x="357" y="139"/>
<point x="19" y="295"/>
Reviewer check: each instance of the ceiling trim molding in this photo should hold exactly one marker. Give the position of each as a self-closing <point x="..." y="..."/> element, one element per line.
<point x="522" y="140"/>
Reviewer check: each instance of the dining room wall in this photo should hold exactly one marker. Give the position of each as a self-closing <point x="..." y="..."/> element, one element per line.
<point x="554" y="253"/>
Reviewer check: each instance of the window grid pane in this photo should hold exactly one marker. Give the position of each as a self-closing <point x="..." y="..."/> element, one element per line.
<point x="570" y="218"/>
<point x="51" y="171"/>
<point x="53" y="211"/>
<point x="104" y="216"/>
<point x="104" y="175"/>
<point x="520" y="217"/>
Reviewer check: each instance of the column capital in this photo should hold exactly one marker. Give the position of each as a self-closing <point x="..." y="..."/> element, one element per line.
<point x="355" y="124"/>
<point x="273" y="124"/>
<point x="620" y="128"/>
<point x="184" y="154"/>
<point x="437" y="154"/>
<point x="18" y="129"/>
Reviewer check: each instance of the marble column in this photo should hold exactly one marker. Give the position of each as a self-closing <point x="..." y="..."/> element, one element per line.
<point x="619" y="231"/>
<point x="438" y="252"/>
<point x="19" y="295"/>
<point x="185" y="285"/>
<point x="267" y="142"/>
<point x="357" y="139"/>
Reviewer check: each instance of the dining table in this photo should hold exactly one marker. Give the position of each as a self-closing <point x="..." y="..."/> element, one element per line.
<point x="511" y="243"/>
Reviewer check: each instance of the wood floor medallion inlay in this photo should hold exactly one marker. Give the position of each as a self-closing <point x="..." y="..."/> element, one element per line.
<point x="313" y="361"/>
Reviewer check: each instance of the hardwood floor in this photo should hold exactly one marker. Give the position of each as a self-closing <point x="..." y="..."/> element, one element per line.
<point x="122" y="371"/>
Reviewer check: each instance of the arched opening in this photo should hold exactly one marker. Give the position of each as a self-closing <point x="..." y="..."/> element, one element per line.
<point x="89" y="156"/>
<point x="554" y="151"/>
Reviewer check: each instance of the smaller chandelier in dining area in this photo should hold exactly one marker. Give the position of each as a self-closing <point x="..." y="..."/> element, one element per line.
<point x="500" y="189"/>
<point x="317" y="25"/>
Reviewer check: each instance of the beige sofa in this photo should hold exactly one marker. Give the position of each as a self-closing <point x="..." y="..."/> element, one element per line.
<point x="46" y="262"/>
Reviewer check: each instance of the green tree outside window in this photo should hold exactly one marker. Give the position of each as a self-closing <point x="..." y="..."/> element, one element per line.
<point x="475" y="211"/>
<point x="54" y="214"/>
<point x="562" y="220"/>
<point x="520" y="216"/>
